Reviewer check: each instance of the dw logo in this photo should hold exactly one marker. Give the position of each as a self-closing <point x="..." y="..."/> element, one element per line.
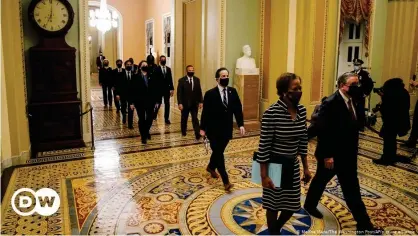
<point x="47" y="202"/>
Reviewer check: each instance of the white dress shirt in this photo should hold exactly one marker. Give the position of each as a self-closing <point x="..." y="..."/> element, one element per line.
<point x="347" y="99"/>
<point x="127" y="75"/>
<point x="221" y="90"/>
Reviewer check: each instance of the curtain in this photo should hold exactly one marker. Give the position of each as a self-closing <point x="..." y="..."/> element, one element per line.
<point x="356" y="11"/>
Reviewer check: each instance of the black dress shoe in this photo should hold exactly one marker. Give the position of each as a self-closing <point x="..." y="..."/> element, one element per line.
<point x="124" y="119"/>
<point x="167" y="122"/>
<point x="131" y="127"/>
<point x="144" y="141"/>
<point x="314" y="212"/>
<point x="183" y="134"/>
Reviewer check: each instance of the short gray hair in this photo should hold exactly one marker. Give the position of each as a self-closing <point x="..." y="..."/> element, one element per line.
<point x="344" y="77"/>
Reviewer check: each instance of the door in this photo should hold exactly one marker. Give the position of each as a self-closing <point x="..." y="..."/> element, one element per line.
<point x="351" y="47"/>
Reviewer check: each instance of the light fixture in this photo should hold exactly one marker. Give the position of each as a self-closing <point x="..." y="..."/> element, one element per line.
<point x="102" y="19"/>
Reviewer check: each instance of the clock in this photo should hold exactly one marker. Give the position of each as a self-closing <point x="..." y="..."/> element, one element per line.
<point x="51" y="17"/>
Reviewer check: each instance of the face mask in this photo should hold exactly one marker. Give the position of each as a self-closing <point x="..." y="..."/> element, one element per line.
<point x="105" y="65"/>
<point x="190" y="74"/>
<point x="144" y="69"/>
<point x="356" y="67"/>
<point x="354" y="92"/>
<point x="119" y="65"/>
<point x="294" y="97"/>
<point x="128" y="68"/>
<point x="224" y="82"/>
<point x="163" y="63"/>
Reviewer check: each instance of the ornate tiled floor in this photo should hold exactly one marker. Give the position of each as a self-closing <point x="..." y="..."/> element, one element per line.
<point x="124" y="187"/>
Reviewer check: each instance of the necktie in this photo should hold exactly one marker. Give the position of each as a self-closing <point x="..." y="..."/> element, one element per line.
<point x="129" y="75"/>
<point x="164" y="71"/>
<point x="350" y="109"/>
<point x="146" y="80"/>
<point x="224" y="99"/>
<point x="191" y="83"/>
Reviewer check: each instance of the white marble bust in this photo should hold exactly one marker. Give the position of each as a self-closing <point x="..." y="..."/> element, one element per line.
<point x="246" y="61"/>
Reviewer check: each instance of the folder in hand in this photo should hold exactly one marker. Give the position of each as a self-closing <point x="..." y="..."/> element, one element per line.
<point x="274" y="172"/>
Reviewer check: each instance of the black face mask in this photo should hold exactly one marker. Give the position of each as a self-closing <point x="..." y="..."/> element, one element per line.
<point x="163" y="63"/>
<point x="224" y="82"/>
<point x="144" y="69"/>
<point x="190" y="74"/>
<point x="128" y="68"/>
<point x="119" y="65"/>
<point x="355" y="92"/>
<point x="294" y="97"/>
<point x="105" y="65"/>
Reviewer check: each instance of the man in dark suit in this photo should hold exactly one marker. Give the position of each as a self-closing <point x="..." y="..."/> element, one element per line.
<point x="122" y="90"/>
<point x="118" y="74"/>
<point x="220" y="105"/>
<point x="165" y="83"/>
<point x="99" y="61"/>
<point x="190" y="100"/>
<point x="338" y="123"/>
<point x="144" y="98"/>
<point x="106" y="81"/>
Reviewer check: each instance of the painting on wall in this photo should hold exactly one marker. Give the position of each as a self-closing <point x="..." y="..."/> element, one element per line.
<point x="167" y="37"/>
<point x="149" y="36"/>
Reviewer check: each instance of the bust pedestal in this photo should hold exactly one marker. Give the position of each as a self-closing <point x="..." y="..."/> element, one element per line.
<point x="247" y="83"/>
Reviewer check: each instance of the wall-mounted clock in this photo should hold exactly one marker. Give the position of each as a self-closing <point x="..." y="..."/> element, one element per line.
<point x="51" y="17"/>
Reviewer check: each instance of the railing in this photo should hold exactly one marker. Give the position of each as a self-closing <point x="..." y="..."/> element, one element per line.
<point x="90" y="110"/>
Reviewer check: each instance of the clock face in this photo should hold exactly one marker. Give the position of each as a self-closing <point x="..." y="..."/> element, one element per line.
<point x="51" y="15"/>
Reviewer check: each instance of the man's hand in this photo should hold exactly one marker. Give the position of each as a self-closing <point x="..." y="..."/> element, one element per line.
<point x="267" y="183"/>
<point x="156" y="106"/>
<point x="98" y="67"/>
<point x="180" y="107"/>
<point x="413" y="83"/>
<point x="171" y="93"/>
<point x="200" y="105"/>
<point x="307" y="176"/>
<point x="100" y="84"/>
<point x="329" y="163"/>
<point x="242" y="130"/>
<point x="113" y="88"/>
<point x="132" y="107"/>
<point x="202" y="133"/>
<point x="117" y="97"/>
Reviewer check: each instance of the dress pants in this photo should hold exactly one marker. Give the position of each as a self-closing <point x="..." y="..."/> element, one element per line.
<point x="107" y="94"/>
<point x="346" y="172"/>
<point x="145" y="118"/>
<point x="124" y="105"/>
<point x="389" y="144"/>
<point x="185" y="116"/>
<point x="414" y="132"/>
<point x="166" y="99"/>
<point x="117" y="103"/>
<point x="217" y="159"/>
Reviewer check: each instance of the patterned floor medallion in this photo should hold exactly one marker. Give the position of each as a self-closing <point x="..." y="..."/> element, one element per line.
<point x="162" y="188"/>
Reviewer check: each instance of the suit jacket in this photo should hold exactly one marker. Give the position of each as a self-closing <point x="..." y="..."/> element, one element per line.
<point x="217" y="121"/>
<point x="106" y="76"/>
<point x="119" y="80"/>
<point x="99" y="62"/>
<point x="186" y="96"/>
<point x="338" y="133"/>
<point x="165" y="83"/>
<point x="142" y="95"/>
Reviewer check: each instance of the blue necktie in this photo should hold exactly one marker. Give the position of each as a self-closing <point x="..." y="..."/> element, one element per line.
<point x="146" y="80"/>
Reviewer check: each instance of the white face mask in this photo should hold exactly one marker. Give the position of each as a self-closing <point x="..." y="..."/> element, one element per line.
<point x="356" y="67"/>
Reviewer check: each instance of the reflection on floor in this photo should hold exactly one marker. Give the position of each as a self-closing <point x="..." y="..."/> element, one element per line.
<point x="124" y="187"/>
